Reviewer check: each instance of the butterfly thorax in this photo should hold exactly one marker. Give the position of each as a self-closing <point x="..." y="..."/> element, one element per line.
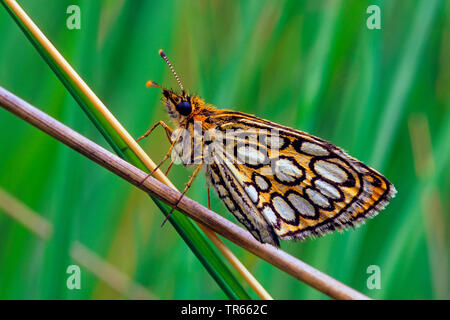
<point x="193" y="130"/>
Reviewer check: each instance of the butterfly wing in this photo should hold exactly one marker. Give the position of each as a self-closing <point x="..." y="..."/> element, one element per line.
<point x="301" y="185"/>
<point x="227" y="183"/>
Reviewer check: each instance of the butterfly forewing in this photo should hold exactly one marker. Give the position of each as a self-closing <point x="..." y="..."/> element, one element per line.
<point x="277" y="179"/>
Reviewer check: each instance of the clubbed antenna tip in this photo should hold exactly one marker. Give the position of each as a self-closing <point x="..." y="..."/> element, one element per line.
<point x="163" y="55"/>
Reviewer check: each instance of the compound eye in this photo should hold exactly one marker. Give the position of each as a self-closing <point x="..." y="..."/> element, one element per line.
<point x="184" y="108"/>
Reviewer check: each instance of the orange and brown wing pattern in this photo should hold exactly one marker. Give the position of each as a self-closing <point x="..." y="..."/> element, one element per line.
<point x="303" y="186"/>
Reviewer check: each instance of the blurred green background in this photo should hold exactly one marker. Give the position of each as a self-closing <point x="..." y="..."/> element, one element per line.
<point x="382" y="95"/>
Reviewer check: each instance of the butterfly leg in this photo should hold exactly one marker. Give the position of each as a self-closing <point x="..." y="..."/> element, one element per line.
<point x="169" y="167"/>
<point x="208" y="194"/>
<point x="188" y="185"/>
<point x="159" y="123"/>
<point x="160" y="163"/>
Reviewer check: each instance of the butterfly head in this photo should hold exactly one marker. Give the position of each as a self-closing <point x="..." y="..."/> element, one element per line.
<point x="178" y="105"/>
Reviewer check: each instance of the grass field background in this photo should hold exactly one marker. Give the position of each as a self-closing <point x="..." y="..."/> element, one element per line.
<point x="382" y="95"/>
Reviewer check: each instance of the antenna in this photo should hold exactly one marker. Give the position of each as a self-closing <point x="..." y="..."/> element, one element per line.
<point x="163" y="55"/>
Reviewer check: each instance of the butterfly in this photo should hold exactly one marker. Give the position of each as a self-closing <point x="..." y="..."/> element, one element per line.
<point x="279" y="182"/>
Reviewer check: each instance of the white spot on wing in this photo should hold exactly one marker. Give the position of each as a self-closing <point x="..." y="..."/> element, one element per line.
<point x="286" y="170"/>
<point x="261" y="183"/>
<point x="314" y="149"/>
<point x="303" y="206"/>
<point x="250" y="155"/>
<point x="283" y="209"/>
<point x="269" y="215"/>
<point x="252" y="193"/>
<point x="317" y="198"/>
<point x="327" y="189"/>
<point x="368" y="188"/>
<point x="274" y="141"/>
<point x="330" y="171"/>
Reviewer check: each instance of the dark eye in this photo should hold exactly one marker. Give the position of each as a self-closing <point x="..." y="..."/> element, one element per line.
<point x="184" y="108"/>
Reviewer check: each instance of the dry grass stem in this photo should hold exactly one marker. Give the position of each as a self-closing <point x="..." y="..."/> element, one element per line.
<point x="103" y="270"/>
<point x="27" y="217"/>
